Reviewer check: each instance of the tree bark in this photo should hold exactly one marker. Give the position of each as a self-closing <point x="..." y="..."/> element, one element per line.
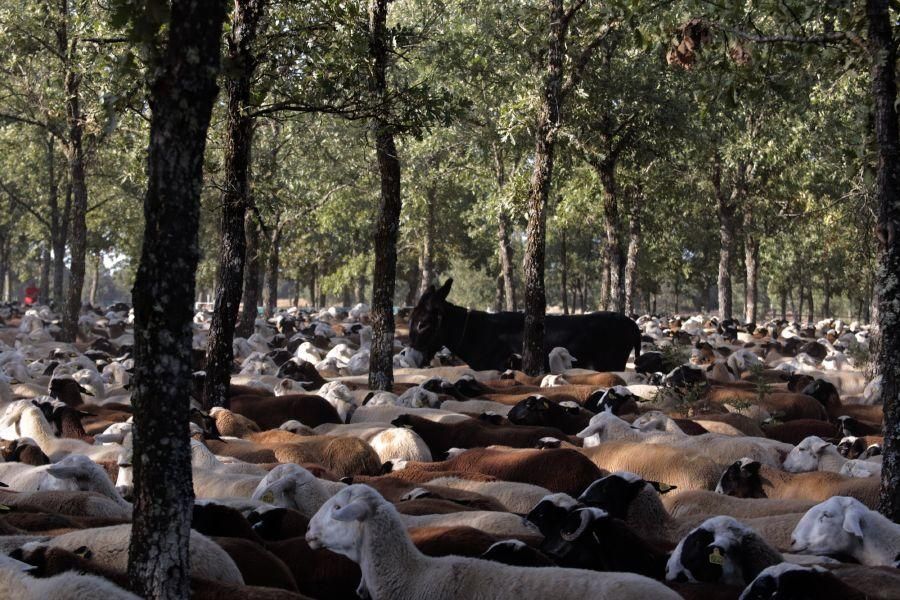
<point x="884" y="90"/>
<point x="751" y="262"/>
<point x="235" y="201"/>
<point x="381" y="357"/>
<point x="270" y="291"/>
<point x="634" y="247"/>
<point x="548" y="123"/>
<point x="726" y="212"/>
<point x="801" y="304"/>
<point x="95" y="279"/>
<point x="564" y="271"/>
<point x="812" y="308"/>
<point x="59" y="233"/>
<point x="250" y="297"/>
<point x="612" y="223"/>
<point x="361" y="289"/>
<point x="45" y="274"/>
<point x="75" y="155"/>
<point x="181" y="98"/>
<point x="426" y="262"/>
<point x="506" y="262"/>
<point x="603" y="303"/>
<point x="826" y="296"/>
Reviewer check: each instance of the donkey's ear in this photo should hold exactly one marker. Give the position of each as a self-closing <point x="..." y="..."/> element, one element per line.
<point x="444" y="290"/>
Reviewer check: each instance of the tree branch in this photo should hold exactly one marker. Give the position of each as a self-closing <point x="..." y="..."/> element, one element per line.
<point x="14" y="196"/>
<point x="822" y="38"/>
<point x="584" y="56"/>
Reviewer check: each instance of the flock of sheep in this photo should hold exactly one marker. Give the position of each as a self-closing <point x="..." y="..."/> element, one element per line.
<point x="726" y="462"/>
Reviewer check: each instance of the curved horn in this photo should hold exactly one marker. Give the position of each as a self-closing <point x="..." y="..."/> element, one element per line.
<point x="585" y="520"/>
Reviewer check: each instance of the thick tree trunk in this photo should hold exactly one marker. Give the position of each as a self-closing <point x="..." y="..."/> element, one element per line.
<point x="751" y="262"/>
<point x="250" y="297"/>
<point x="498" y="293"/>
<point x="612" y="224"/>
<point x="726" y="212"/>
<point x="387" y="224"/>
<point x="548" y="123"/>
<point x="235" y="200"/>
<point x="506" y="262"/>
<point x="75" y="156"/>
<point x="270" y="291"/>
<point x="884" y="90"/>
<point x="181" y="100"/>
<point x="634" y="247"/>
<point x="564" y="271"/>
<point x="426" y="258"/>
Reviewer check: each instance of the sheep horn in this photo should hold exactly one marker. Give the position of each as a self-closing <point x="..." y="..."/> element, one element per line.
<point x="585" y="517"/>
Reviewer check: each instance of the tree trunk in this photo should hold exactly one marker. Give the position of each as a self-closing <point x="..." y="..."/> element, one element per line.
<point x="59" y="233"/>
<point x="603" y="303"/>
<point x="361" y="289"/>
<point x="498" y="293"/>
<point x="311" y="283"/>
<point x="270" y="292"/>
<point x="677" y="289"/>
<point x="506" y="262"/>
<point x="235" y="200"/>
<point x="612" y="223"/>
<point x="826" y="297"/>
<point x="726" y="212"/>
<point x="181" y="99"/>
<point x="564" y="271"/>
<point x="95" y="279"/>
<point x="75" y="156"/>
<point x="387" y="224"/>
<point x="45" y="275"/>
<point x="751" y="261"/>
<point x="634" y="246"/>
<point x="812" y="307"/>
<point x="426" y="262"/>
<point x="884" y="90"/>
<point x="541" y="178"/>
<point x="250" y="297"/>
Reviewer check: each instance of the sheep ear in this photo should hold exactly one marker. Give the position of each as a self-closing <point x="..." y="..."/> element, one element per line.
<point x="853" y="521"/>
<point x="819" y="447"/>
<point x="64" y="472"/>
<point x="355" y="511"/>
<point x="444" y="290"/>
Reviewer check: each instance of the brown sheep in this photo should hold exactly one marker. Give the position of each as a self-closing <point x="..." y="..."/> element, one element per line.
<point x="318" y="573"/>
<point x="342" y="455"/>
<point x="232" y="424"/>
<point x="52" y="561"/>
<point x="794" y="432"/>
<point x="269" y="412"/>
<point x="217" y="520"/>
<point x="786" y="406"/>
<point x="459" y="541"/>
<point x="594" y="380"/>
<point x="257" y="565"/>
<point x="275" y="524"/>
<point x="24" y="451"/>
<point x="477" y="433"/>
<point x="558" y="470"/>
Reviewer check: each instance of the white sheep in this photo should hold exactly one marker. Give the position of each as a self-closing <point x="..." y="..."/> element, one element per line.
<point x="386" y="414"/>
<point x="109" y="549"/>
<point x="560" y="360"/>
<point x="721" y="550"/>
<point x="309" y="353"/>
<point x="291" y="486"/>
<point x="339" y="396"/>
<point x="843" y="525"/>
<point x="74" y="473"/>
<point x="815" y="454"/>
<point x="358" y="363"/>
<point x="516" y="497"/>
<point x="607" y="427"/>
<point x="358" y="523"/>
<point x="22" y="419"/>
<point x="418" y="397"/>
<point x="16" y="583"/>
<point x="400" y="443"/>
<point x="553" y="381"/>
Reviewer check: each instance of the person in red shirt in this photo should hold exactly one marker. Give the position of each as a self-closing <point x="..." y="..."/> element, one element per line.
<point x="31" y="295"/>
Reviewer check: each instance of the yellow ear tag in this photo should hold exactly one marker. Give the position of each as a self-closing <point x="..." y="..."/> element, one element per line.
<point x="664" y="487"/>
<point x="4" y="508"/>
<point x="716" y="557"/>
<point x="268" y="497"/>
